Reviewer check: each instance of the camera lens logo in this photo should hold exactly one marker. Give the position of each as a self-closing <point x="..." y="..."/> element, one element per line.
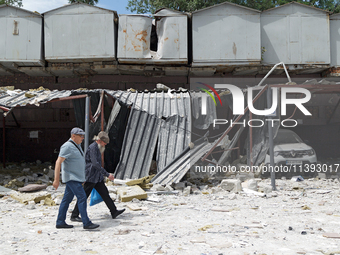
<point x="204" y="99"/>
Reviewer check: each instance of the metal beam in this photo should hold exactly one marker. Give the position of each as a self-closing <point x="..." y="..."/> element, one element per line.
<point x="264" y="88"/>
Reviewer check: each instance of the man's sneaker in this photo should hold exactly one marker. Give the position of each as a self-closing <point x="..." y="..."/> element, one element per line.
<point x="91" y="226"/>
<point x="77" y="218"/>
<point x="117" y="213"/>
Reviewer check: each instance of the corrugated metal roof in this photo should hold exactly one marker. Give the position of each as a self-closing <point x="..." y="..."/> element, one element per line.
<point x="139" y="144"/>
<point x="10" y="98"/>
<point x="159" y="104"/>
<point x="175" y="171"/>
<point x="154" y="117"/>
<point x="174" y="137"/>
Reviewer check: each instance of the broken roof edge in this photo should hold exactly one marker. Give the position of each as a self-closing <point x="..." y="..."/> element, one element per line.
<point x="236" y="5"/>
<point x="21" y="9"/>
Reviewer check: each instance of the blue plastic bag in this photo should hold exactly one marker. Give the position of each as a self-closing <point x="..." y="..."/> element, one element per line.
<point x="95" y="197"/>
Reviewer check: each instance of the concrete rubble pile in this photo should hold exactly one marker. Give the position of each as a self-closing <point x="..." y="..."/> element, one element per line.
<point x="15" y="176"/>
<point x="196" y="217"/>
<point x="31" y="184"/>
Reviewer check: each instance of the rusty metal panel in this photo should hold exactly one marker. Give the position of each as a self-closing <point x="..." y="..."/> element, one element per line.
<point x="21" y="37"/>
<point x="134" y="33"/>
<point x="80" y="33"/>
<point x="335" y="39"/>
<point x="172" y="38"/>
<point x="171" y="31"/>
<point x="295" y="34"/>
<point x="226" y="33"/>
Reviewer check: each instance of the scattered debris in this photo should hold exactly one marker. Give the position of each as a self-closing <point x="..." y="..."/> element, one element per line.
<point x="26" y="197"/>
<point x="186" y="191"/>
<point x="250" y="184"/>
<point x="297" y="178"/>
<point x="231" y="185"/>
<point x="219" y="209"/>
<point x="175" y="192"/>
<point x="32" y="187"/>
<point x="133" y="207"/>
<point x="126" y="194"/>
<point x="249" y="191"/>
<point x="331" y="235"/>
<point x="198" y="240"/>
<point x="123" y="232"/>
<point x="14" y="184"/>
<point x="305" y="207"/>
<point x="205" y="228"/>
<point x="144" y="182"/>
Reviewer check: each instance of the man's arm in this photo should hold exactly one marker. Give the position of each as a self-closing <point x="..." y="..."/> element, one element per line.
<point x="57" y="172"/>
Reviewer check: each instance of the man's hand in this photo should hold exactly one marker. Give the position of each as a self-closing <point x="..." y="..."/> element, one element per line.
<point x="56" y="184"/>
<point x="111" y="177"/>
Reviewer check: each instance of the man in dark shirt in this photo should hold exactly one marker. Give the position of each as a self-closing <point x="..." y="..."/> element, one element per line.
<point x="94" y="175"/>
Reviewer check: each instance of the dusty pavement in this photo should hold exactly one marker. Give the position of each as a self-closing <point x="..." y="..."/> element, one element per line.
<point x="292" y="220"/>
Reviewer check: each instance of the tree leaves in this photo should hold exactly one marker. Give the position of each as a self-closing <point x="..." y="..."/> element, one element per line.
<point x="91" y="2"/>
<point x="17" y="3"/>
<point x="150" y="6"/>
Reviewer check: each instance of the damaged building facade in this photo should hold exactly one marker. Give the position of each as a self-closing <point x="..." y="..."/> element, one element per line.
<point x="125" y="72"/>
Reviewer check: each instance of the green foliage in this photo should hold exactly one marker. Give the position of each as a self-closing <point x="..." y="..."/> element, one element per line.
<point x="91" y="2"/>
<point x="17" y="3"/>
<point x="150" y="6"/>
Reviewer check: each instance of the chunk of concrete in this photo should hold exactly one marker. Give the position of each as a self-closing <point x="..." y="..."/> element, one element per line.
<point x="243" y="176"/>
<point x="186" y="191"/>
<point x="179" y="186"/>
<point x="49" y="201"/>
<point x="31" y="205"/>
<point x="50" y="173"/>
<point x="249" y="191"/>
<point x="112" y="189"/>
<point x="133" y="207"/>
<point x="126" y="194"/>
<point x="265" y="189"/>
<point x="250" y="184"/>
<point x="26" y="197"/>
<point x="158" y="187"/>
<point x="13" y="184"/>
<point x="231" y="185"/>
